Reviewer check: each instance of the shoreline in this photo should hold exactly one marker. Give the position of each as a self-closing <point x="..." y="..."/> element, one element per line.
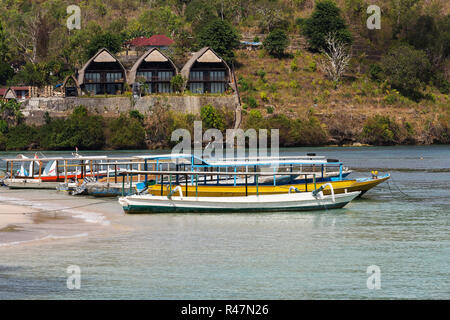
<point x="31" y="217"/>
<point x="13" y="214"/>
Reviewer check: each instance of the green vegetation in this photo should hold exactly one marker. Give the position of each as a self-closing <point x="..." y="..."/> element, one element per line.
<point x="178" y="83"/>
<point x="108" y="40"/>
<point x="292" y="132"/>
<point x="221" y="37"/>
<point x="400" y="71"/>
<point x="407" y="70"/>
<point x="212" y="118"/>
<point x="325" y="19"/>
<point x="276" y="43"/>
<point x="127" y="132"/>
<point x="79" y="130"/>
<point x="383" y="130"/>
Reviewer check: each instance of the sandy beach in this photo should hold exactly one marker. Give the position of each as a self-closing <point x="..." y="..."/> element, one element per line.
<point x="13" y="215"/>
<point x="29" y="216"/>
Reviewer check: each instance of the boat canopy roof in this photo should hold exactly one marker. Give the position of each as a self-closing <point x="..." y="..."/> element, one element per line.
<point x="269" y="162"/>
<point x="196" y="161"/>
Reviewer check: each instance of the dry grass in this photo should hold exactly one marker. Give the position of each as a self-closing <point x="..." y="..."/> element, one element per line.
<point x="295" y="88"/>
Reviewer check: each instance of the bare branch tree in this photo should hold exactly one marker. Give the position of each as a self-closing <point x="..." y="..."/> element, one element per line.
<point x="336" y="57"/>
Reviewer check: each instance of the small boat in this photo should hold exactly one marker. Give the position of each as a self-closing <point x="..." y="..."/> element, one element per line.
<point x="290" y="201"/>
<point x="211" y="190"/>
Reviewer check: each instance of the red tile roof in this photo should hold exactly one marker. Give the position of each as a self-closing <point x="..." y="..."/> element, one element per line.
<point x="157" y="40"/>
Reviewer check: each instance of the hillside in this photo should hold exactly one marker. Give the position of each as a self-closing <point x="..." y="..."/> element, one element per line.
<point x="394" y="90"/>
<point x="297" y="88"/>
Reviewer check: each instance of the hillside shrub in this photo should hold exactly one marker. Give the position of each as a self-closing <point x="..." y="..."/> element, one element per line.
<point x="381" y="130"/>
<point x="326" y="18"/>
<point x="127" y="132"/>
<point x="276" y="43"/>
<point x="408" y="70"/>
<point x="212" y="118"/>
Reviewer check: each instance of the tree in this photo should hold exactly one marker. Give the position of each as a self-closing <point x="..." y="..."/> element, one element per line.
<point x="336" y="57"/>
<point x="271" y="15"/>
<point x="79" y="130"/>
<point x="10" y="112"/>
<point x="127" y="132"/>
<point x="110" y="41"/>
<point x="160" y="21"/>
<point x="178" y="83"/>
<point x="276" y="43"/>
<point x="212" y="118"/>
<point x="221" y="37"/>
<point x="6" y="73"/>
<point x="325" y="19"/>
<point x="407" y="70"/>
<point x="4" y="45"/>
<point x="432" y="36"/>
<point x="39" y="74"/>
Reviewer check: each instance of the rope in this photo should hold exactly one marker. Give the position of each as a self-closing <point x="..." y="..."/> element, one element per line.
<point x="399" y="190"/>
<point x="56" y="210"/>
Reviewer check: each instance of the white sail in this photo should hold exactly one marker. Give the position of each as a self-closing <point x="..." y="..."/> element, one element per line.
<point x="50" y="169"/>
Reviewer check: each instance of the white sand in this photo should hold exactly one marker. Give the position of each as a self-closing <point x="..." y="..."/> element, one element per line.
<point x="13" y="214"/>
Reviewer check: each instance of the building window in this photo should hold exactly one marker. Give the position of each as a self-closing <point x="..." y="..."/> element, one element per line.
<point x="147" y="75"/>
<point x="197" y="87"/>
<point x="113" y="88"/>
<point x="196" y="76"/>
<point x="217" y="87"/>
<point x="156" y="81"/>
<point x="113" y="76"/>
<point x="92" y="77"/>
<point x="164" y="87"/>
<point x="217" y="76"/>
<point x="93" y="88"/>
<point x="164" y="75"/>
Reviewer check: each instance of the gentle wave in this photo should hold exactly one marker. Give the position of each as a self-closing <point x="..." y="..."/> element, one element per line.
<point x="87" y="216"/>
<point x="48" y="237"/>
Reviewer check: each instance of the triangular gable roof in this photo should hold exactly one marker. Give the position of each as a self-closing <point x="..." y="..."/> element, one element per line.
<point x="152" y="55"/>
<point x="203" y="55"/>
<point x="103" y="55"/>
<point x="10" y="94"/>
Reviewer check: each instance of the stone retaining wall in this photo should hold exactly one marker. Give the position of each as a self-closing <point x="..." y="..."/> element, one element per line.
<point x="34" y="109"/>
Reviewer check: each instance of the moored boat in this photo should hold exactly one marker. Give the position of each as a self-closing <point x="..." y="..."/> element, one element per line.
<point x="363" y="185"/>
<point x="289" y="201"/>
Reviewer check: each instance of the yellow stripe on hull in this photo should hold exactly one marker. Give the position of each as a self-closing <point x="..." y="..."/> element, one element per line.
<point x="236" y="191"/>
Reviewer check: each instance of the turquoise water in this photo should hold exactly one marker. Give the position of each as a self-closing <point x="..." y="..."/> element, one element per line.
<point x="308" y="255"/>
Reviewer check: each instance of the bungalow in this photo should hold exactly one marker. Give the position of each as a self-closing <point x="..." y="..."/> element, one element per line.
<point x="18" y="93"/>
<point x="70" y="87"/>
<point x="207" y="72"/>
<point x="155" y="69"/>
<point x="102" y="74"/>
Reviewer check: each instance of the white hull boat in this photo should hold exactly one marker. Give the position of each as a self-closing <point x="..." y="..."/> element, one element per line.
<point x="305" y="201"/>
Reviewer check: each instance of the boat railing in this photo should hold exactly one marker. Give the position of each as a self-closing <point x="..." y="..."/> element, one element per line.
<point x="177" y="188"/>
<point x="318" y="192"/>
<point x="127" y="175"/>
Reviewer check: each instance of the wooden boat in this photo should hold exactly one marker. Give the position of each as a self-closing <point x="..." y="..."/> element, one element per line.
<point x="363" y="185"/>
<point x="288" y="201"/>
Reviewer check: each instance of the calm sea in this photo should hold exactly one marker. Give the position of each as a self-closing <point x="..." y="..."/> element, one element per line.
<point x="401" y="227"/>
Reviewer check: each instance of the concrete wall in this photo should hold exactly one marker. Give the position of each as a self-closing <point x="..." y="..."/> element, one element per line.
<point x="34" y="109"/>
